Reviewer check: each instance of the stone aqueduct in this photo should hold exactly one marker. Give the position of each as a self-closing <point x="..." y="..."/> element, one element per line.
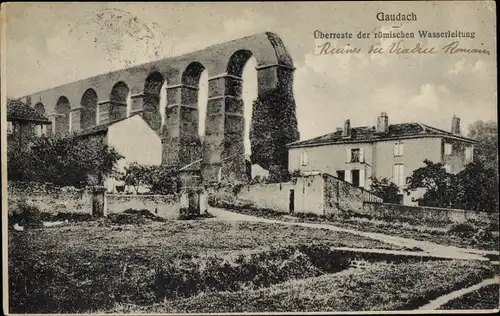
<point x="103" y="98"/>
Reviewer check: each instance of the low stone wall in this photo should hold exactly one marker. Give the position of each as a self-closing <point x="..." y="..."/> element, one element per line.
<point x="429" y="216"/>
<point x="166" y="206"/>
<point x="274" y="196"/>
<point x="49" y="198"/>
<point x="52" y="199"/>
<point x="342" y="196"/>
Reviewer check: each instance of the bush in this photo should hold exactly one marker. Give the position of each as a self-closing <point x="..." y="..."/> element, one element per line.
<point x="27" y="215"/>
<point x="462" y="230"/>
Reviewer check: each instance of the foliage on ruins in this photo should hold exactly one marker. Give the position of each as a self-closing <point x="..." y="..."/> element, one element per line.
<point x="486" y="150"/>
<point x="274" y="125"/>
<point x="474" y="188"/>
<point x="64" y="161"/>
<point x="385" y="189"/>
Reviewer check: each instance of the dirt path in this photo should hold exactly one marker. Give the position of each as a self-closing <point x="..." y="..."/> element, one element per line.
<point x="440" y="301"/>
<point x="433" y="249"/>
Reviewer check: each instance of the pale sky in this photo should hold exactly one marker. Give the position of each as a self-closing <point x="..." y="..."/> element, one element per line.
<point x="52" y="44"/>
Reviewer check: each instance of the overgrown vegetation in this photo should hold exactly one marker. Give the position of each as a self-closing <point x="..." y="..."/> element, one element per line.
<point x="64" y="161"/>
<point x="474" y="188"/>
<point x="274" y="125"/>
<point x="159" y="179"/>
<point x="386" y="189"/>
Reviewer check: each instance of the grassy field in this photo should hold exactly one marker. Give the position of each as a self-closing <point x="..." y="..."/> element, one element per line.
<point x="401" y="229"/>
<point x="485" y="298"/>
<point x="198" y="265"/>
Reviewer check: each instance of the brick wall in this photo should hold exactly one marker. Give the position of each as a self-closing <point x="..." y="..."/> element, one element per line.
<point x="429" y="216"/>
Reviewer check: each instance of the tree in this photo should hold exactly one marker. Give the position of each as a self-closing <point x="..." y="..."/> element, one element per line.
<point x="486" y="150"/>
<point x="162" y="179"/>
<point x="477" y="188"/>
<point x="135" y="175"/>
<point x="65" y="161"/>
<point x="438" y="185"/>
<point x="386" y="189"/>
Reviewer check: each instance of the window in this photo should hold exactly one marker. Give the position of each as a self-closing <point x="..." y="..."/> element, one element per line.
<point x="39" y="130"/>
<point x="358" y="177"/>
<point x="398" y="149"/>
<point x="469" y="153"/>
<point x="303" y="158"/>
<point x="355" y="155"/>
<point x="398" y="174"/>
<point x="10" y="128"/>
<point x="355" y="177"/>
<point x="447" y="148"/>
<point x="341" y="174"/>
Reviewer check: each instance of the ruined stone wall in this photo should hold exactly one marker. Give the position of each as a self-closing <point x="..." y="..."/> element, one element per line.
<point x="137" y="90"/>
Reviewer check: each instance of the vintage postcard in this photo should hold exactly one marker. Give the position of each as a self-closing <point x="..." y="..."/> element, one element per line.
<point x="264" y="157"/>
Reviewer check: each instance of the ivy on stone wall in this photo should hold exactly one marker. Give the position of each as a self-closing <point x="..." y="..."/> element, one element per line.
<point x="274" y="125"/>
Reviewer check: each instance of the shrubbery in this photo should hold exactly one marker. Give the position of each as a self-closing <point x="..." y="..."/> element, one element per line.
<point x="64" y="161"/>
<point x="26" y="215"/>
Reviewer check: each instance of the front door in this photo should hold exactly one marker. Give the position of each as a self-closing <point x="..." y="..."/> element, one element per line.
<point x="291" y="205"/>
<point x="355" y="178"/>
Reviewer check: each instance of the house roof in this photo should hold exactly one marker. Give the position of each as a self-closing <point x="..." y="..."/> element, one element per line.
<point x="369" y="134"/>
<point x="100" y="129"/>
<point x="18" y="111"/>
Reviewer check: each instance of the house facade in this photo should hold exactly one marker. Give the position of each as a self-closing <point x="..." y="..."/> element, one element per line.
<point x="132" y="138"/>
<point x="383" y="151"/>
<point x="24" y="123"/>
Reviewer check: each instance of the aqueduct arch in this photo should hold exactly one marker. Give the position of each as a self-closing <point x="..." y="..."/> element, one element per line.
<point x="62" y="124"/>
<point x="139" y="89"/>
<point x="88" y="112"/>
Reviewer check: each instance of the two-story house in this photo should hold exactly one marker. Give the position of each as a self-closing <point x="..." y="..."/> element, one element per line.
<point x="23" y="124"/>
<point x="382" y="151"/>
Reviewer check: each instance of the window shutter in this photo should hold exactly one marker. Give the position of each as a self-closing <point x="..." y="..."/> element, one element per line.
<point x="348" y="176"/>
<point x="401" y="175"/>
<point x="362" y="177"/>
<point x="395" y="149"/>
<point x="401" y="147"/>
<point x="361" y="155"/>
<point x="305" y="158"/>
<point x="348" y="155"/>
<point x="395" y="177"/>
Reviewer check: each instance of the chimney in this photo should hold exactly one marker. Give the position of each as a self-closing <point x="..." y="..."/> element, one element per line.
<point x="346" y="132"/>
<point x="383" y="123"/>
<point x="455" y="125"/>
